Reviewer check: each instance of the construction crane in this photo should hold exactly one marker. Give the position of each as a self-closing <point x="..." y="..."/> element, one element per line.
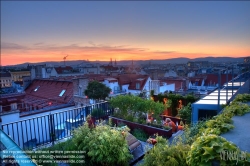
<point x="64" y="58"/>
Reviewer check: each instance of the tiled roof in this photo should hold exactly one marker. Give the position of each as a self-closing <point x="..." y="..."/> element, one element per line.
<point x="109" y="79"/>
<point x="60" y="69"/>
<point x="132" y="79"/>
<point x="177" y="81"/>
<point x="213" y="78"/>
<point x="46" y="92"/>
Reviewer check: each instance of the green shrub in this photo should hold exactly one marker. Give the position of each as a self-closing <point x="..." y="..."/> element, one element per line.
<point x="164" y="154"/>
<point x="193" y="131"/>
<point x="209" y="148"/>
<point x="185" y="113"/>
<point x="237" y="108"/>
<point x="103" y="145"/>
<point x="140" y="134"/>
<point x="242" y="98"/>
<point x="219" y="124"/>
<point x="97" y="113"/>
<point x="133" y="108"/>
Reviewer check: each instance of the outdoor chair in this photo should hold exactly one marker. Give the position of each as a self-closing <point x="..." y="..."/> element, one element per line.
<point x="133" y="142"/>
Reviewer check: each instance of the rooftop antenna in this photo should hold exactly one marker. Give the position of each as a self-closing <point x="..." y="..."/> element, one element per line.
<point x="64" y="58"/>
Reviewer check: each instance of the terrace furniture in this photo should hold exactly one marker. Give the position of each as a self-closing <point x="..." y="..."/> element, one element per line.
<point x="133" y="142"/>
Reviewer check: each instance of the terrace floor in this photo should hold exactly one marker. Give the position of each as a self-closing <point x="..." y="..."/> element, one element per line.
<point x="240" y="134"/>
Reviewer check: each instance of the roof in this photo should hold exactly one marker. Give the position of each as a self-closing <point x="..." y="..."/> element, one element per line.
<point x="60" y="69"/>
<point x="132" y="79"/>
<point x="111" y="79"/>
<point x="179" y="82"/>
<point x="43" y="92"/>
<point x="213" y="78"/>
<point x="109" y="67"/>
<point x="5" y="75"/>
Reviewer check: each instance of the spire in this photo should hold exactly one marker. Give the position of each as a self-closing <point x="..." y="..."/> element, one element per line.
<point x="111" y="62"/>
<point x="115" y="62"/>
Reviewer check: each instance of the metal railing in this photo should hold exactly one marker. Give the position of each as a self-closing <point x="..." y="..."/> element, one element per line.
<point x="33" y="132"/>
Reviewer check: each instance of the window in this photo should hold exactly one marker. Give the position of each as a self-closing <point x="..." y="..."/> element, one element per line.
<point x="137" y="85"/>
<point x="63" y="91"/>
<point x="36" y="88"/>
<point x="13" y="106"/>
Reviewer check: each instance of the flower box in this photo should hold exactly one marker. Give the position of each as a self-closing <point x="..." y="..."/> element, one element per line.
<point x="150" y="130"/>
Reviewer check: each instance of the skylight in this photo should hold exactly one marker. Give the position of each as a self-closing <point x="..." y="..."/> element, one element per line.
<point x="63" y="91"/>
<point x="36" y="88"/>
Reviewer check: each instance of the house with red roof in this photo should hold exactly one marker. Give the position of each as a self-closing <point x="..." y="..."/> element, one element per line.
<point x="10" y="102"/>
<point x="63" y="71"/>
<point x="134" y="83"/>
<point x="175" y="84"/>
<point x="208" y="81"/>
<point x="47" y="94"/>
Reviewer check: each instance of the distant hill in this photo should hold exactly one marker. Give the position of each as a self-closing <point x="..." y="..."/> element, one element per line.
<point x="128" y="62"/>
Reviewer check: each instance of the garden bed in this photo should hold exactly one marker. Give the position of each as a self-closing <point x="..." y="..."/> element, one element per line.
<point x="150" y="130"/>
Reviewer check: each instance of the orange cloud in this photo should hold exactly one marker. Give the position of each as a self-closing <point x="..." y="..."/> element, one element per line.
<point x="16" y="54"/>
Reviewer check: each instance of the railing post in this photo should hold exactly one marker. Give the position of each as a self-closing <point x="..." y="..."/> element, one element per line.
<point x="84" y="113"/>
<point x="227" y="87"/>
<point x="232" y="80"/>
<point x="1" y="127"/>
<point x="219" y="84"/>
<point x="51" y="127"/>
<point x="240" y="76"/>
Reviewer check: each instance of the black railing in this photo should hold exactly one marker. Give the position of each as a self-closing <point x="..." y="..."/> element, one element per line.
<point x="33" y="132"/>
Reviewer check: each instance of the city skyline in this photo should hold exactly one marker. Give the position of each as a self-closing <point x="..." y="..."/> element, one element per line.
<point x="48" y="31"/>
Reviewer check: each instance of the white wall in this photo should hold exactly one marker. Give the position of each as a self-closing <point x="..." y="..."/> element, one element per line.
<point x="147" y="88"/>
<point x="134" y="92"/>
<point x="53" y="73"/>
<point x="125" y="87"/>
<point x="111" y="85"/>
<point x="167" y="87"/>
<point x="8" y="118"/>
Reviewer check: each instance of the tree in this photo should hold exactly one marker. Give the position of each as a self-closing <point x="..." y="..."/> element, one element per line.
<point x="96" y="90"/>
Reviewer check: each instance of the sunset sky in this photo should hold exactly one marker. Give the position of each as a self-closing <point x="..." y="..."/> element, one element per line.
<point x="36" y="31"/>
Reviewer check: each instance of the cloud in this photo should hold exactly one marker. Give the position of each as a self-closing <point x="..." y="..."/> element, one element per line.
<point x="94" y="48"/>
<point x="38" y="44"/>
<point x="92" y="43"/>
<point x="12" y="46"/>
<point x="51" y="52"/>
